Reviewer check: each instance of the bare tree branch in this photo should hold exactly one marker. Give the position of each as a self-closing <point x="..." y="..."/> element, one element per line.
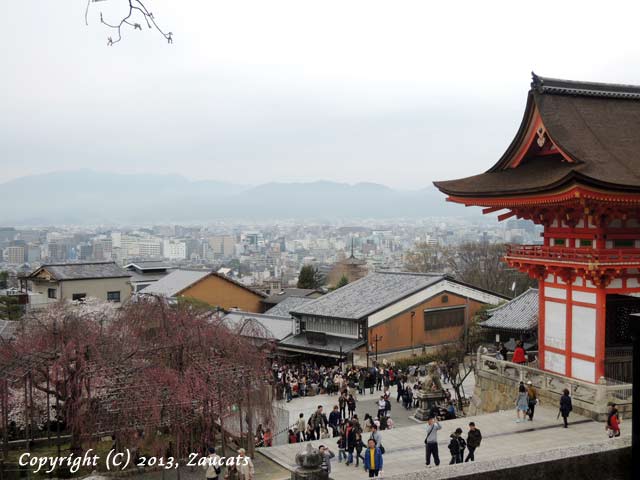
<point x="136" y="7"/>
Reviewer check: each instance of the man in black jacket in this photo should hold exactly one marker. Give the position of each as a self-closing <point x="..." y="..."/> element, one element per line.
<point x="474" y="437"/>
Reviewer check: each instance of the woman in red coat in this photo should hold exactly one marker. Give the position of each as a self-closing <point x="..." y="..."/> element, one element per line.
<point x="519" y="355"/>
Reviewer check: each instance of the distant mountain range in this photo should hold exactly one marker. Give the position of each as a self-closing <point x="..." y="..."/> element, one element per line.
<point x="90" y="197"/>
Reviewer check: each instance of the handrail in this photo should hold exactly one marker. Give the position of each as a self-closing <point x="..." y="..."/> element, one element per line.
<point x="592" y="393"/>
<point x="582" y="255"/>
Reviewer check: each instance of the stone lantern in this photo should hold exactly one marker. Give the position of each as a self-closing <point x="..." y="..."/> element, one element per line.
<point x="309" y="465"/>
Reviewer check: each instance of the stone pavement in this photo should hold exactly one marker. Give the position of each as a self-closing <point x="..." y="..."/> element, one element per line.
<point x="365" y="404"/>
<point x="502" y="438"/>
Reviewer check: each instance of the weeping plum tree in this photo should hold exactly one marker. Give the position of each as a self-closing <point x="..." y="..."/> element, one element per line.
<point x="156" y="376"/>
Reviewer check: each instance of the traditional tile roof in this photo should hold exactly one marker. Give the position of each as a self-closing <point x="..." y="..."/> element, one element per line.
<point x="289" y="292"/>
<point x="175" y="282"/>
<point x="147" y="265"/>
<point x="358" y="299"/>
<point x="287" y="305"/>
<point x="179" y="280"/>
<point x="82" y="271"/>
<point x="321" y="343"/>
<point x="595" y="126"/>
<point x="517" y="315"/>
<point x="277" y="327"/>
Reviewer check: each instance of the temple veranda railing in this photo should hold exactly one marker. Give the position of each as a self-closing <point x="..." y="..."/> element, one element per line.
<point x="594" y="394"/>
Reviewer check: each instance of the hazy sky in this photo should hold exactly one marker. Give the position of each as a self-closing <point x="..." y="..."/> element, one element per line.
<point x="395" y="92"/>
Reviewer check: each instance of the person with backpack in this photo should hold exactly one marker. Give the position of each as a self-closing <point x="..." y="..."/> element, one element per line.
<point x="474" y="437"/>
<point x="565" y="407"/>
<point x="318" y="421"/>
<point x="431" y="441"/>
<point x="213" y="466"/>
<point x="373" y="460"/>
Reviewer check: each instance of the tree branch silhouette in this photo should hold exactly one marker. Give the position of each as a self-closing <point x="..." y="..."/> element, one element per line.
<point x="136" y="14"/>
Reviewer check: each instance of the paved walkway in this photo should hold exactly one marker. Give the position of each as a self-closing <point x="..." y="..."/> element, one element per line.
<point x="502" y="437"/>
<point x="366" y="403"/>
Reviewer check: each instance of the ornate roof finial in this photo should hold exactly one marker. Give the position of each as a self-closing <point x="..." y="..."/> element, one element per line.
<point x="536" y="81"/>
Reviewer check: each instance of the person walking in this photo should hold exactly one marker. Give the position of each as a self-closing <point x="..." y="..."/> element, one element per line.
<point x="474" y="437"/>
<point x="454" y="448"/>
<point x="532" y="396"/>
<point x="349" y="441"/>
<point x="373" y="461"/>
<point x="334" y="420"/>
<point x="431" y="441"/>
<point x="462" y="445"/>
<point x="326" y="455"/>
<point x="351" y="405"/>
<point x="613" y="421"/>
<point x="301" y="426"/>
<point x="359" y="446"/>
<point x="377" y="437"/>
<point x="318" y="421"/>
<point x="522" y="403"/>
<point x="565" y="406"/>
<point x="342" y="402"/>
<point x="213" y="466"/>
<point x="245" y="466"/>
<point x="382" y="405"/>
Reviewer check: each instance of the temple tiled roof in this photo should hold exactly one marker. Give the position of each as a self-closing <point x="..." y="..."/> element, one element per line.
<point x="288" y="305"/>
<point x="517" y="315"/>
<point x="375" y="291"/>
<point x="596" y="126"/>
<point x="82" y="270"/>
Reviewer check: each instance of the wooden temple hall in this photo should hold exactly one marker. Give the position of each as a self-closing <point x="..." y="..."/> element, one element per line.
<point x="574" y="168"/>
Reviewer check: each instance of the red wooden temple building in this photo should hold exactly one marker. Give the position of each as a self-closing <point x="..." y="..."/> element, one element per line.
<point x="573" y="167"/>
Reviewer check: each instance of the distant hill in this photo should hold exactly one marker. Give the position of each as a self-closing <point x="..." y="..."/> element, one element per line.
<point x="89" y="197"/>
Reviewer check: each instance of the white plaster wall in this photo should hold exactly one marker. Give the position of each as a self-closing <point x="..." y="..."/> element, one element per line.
<point x="550" y="278"/>
<point x="555" y="326"/>
<point x="555" y="362"/>
<point x="615" y="283"/>
<point x="578" y="281"/>
<point x="583" y="370"/>
<point x="552" y="292"/>
<point x="585" y="297"/>
<point x="583" y="330"/>
<point x="633" y="283"/>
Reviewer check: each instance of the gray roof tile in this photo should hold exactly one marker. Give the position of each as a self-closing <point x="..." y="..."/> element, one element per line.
<point x="519" y="314"/>
<point x="287" y="305"/>
<point x="365" y="296"/>
<point x="84" y="270"/>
